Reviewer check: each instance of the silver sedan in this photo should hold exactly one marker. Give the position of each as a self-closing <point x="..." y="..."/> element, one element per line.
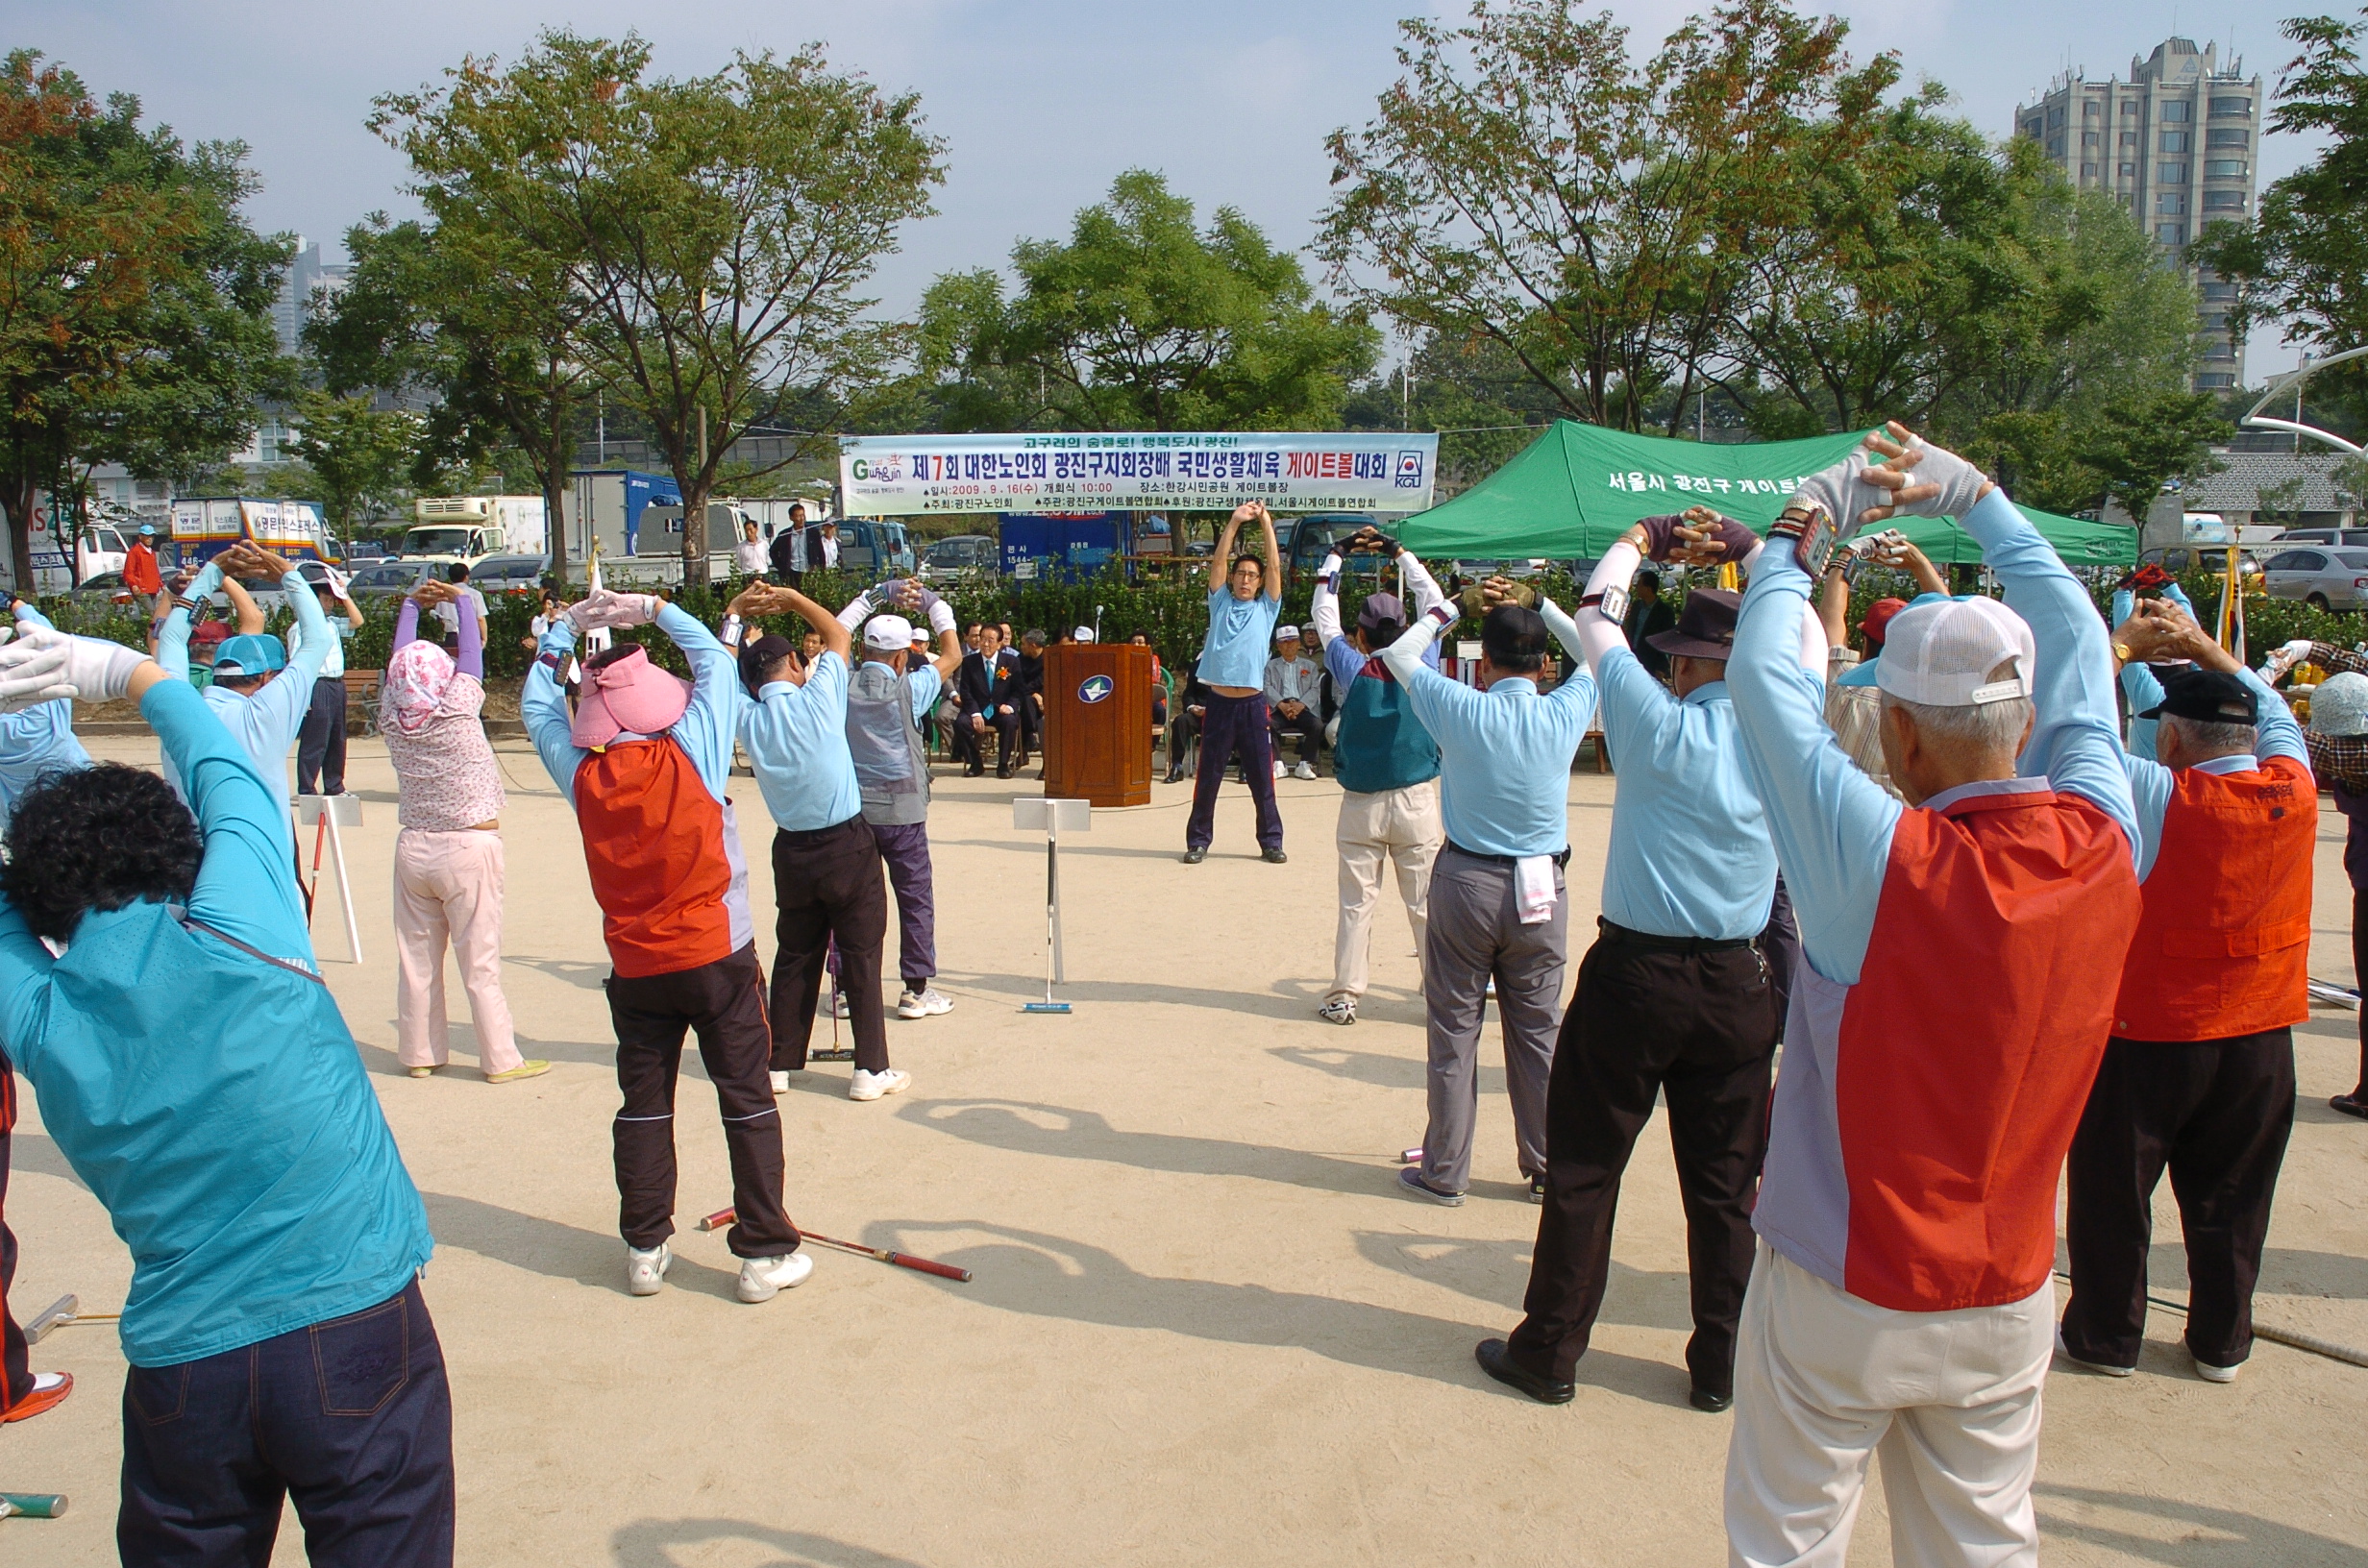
<point x="2324" y="576"/>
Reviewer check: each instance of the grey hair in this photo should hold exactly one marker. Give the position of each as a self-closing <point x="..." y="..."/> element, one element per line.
<point x="1982" y="726"/>
<point x="2205" y="740"/>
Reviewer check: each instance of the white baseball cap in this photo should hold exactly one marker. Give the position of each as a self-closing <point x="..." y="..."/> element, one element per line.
<point x="1083" y="634"/>
<point x="1941" y="653"/>
<point x="1285" y="634"/>
<point x="889" y="633"/>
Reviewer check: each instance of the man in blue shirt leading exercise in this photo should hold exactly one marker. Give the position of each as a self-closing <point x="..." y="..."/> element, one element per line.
<point x="1245" y="596"/>
<point x="197" y="1075"/>
<point x="1496" y="908"/>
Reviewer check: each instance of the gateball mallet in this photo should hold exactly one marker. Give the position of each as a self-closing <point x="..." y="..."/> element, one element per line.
<point x="902" y="1260"/>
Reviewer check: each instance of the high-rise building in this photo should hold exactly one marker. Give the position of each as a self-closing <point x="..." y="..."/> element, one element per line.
<point x="2177" y="146"/>
<point x="309" y="279"/>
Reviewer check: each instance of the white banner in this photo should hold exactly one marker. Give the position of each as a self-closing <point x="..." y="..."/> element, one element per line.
<point x="896" y="476"/>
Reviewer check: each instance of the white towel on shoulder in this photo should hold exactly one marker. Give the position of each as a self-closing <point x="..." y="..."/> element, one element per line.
<point x="1533" y="889"/>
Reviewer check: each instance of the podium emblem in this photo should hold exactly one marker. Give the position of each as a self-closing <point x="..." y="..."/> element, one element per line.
<point x="1095" y="689"/>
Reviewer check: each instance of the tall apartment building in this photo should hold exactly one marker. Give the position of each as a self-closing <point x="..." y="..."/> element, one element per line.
<point x="308" y="277"/>
<point x="2177" y="145"/>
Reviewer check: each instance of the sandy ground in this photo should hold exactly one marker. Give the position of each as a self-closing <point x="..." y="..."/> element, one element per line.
<point x="1204" y="1329"/>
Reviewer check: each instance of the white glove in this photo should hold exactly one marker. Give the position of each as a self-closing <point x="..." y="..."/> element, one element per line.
<point x="2285" y="657"/>
<point x="2296" y="650"/>
<point x="1843" y="493"/>
<point x="607" y="607"/>
<point x="41" y="666"/>
<point x="1961" y="482"/>
<point x="337" y="581"/>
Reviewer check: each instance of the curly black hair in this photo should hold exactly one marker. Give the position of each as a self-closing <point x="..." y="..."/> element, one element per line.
<point x="98" y="837"/>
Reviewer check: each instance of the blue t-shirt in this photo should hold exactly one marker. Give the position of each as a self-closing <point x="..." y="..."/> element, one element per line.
<point x="213" y="1099"/>
<point x="797" y="744"/>
<point x="1234" y="653"/>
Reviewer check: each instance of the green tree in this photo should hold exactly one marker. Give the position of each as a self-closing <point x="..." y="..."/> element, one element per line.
<point x="491" y="327"/>
<point x="2304" y="258"/>
<point x="720" y="226"/>
<point x="360" y="456"/>
<point x="2142" y="443"/>
<point x="135" y="308"/>
<point x="1144" y="321"/>
<point x="1526" y="184"/>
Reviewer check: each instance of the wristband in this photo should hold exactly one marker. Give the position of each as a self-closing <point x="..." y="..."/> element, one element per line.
<point x="1612" y="604"/>
<point x="1441" y="616"/>
<point x="728" y="633"/>
<point x="940" y="618"/>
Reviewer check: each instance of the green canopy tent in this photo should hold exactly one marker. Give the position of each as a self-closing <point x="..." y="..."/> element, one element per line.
<point x="1576" y="489"/>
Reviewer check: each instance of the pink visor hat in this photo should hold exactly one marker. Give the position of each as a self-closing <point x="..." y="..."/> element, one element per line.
<point x="630" y="697"/>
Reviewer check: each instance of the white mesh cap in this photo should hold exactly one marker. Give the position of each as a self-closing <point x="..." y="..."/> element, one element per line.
<point x="2340" y="705"/>
<point x="888" y="633"/>
<point x="1941" y="653"/>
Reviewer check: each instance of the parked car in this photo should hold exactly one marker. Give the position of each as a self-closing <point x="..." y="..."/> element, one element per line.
<point x="2325" y="578"/>
<point x="964" y="555"/>
<point x="106" y="586"/>
<point x="389" y="579"/>
<point x="2320" y="536"/>
<point x="499" y="574"/>
<point x="2182" y="558"/>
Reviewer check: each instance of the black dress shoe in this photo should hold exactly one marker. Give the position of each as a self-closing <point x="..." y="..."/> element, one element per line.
<point x="974" y="771"/>
<point x="1497" y="1363"/>
<point x="1702" y="1399"/>
<point x="1274" y="857"/>
<point x="1175" y="775"/>
<point x="1196" y="854"/>
<point x="1004" y="771"/>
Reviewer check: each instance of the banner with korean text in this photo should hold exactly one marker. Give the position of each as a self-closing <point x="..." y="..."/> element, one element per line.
<point x="897" y="476"/>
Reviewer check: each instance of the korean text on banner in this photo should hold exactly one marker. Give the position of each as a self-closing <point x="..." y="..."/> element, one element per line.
<point x="1379" y="471"/>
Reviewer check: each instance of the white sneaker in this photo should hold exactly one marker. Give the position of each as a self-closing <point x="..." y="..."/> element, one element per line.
<point x="2215" y="1374"/>
<point x="871" y="1086"/>
<point x="645" y="1272"/>
<point x="1339" y="1010"/>
<point x="1305" y="769"/>
<point x="780" y="1082"/>
<point x="2095" y="1367"/>
<point x="838" y="1004"/>
<point x="925" y="1003"/>
<point x="762" y="1278"/>
<point x="1278" y="767"/>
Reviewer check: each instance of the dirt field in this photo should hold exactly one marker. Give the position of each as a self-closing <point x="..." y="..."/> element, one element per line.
<point x="1205" y="1328"/>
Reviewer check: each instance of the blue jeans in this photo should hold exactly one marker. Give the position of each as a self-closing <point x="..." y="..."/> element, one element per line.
<point x="352" y="1418"/>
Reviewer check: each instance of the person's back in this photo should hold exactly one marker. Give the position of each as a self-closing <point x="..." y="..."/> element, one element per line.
<point x="198" y="1077"/>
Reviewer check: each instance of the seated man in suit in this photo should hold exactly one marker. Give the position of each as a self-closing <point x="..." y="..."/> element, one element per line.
<point x="1030" y="688"/>
<point x="989" y="687"/>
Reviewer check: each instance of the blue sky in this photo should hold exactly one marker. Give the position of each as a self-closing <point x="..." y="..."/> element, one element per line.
<point x="1042" y="102"/>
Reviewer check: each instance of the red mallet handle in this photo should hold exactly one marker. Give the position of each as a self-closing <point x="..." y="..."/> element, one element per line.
<point x="718" y="1221"/>
<point x="944" y="1271"/>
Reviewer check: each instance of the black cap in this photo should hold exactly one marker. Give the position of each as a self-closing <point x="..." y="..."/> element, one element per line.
<point x="2209" y="697"/>
<point x="1705" y="627"/>
<point x="761" y="656"/>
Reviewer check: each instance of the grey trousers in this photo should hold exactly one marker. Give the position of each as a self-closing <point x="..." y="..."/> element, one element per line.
<point x="1474" y="934"/>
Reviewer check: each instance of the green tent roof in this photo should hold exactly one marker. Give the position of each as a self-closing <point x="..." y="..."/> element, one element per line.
<point x="1577" y="488"/>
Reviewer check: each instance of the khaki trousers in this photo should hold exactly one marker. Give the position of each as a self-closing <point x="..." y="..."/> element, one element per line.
<point x="1824" y="1381"/>
<point x="1402" y="825"/>
<point x="448" y="888"/>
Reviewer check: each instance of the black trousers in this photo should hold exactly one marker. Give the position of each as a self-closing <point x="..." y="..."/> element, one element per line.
<point x="1308" y="727"/>
<point x="2359" y="978"/>
<point x="15" y="1369"/>
<point x="724" y="1003"/>
<point x="970" y="745"/>
<point x="1699" y="1028"/>
<point x="2217" y="1113"/>
<point x="352" y="1419"/>
<point x="320" y="745"/>
<point x="827" y="885"/>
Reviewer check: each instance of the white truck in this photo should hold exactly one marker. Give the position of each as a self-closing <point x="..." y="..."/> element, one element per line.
<point x="468" y="528"/>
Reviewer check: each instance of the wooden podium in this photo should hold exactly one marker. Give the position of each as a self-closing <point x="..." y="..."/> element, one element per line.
<point x="1097" y="724"/>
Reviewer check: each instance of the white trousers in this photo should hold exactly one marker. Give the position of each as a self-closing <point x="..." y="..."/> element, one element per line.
<point x="448" y="890"/>
<point x="1824" y="1380"/>
<point x="1404" y="826"/>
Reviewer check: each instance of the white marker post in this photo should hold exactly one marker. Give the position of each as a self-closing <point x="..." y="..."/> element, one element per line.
<point x="1054" y="815"/>
<point x="326" y="814"/>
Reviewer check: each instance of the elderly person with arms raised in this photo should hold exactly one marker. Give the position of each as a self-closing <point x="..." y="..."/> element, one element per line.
<point x="1945" y="1026"/>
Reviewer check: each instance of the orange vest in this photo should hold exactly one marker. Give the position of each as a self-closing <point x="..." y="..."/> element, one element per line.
<point x="655" y="842"/>
<point x="2223" y="947"/>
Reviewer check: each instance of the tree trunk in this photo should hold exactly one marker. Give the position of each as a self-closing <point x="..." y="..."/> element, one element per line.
<point x="695" y="534"/>
<point x="18" y="495"/>
<point x="554" y="519"/>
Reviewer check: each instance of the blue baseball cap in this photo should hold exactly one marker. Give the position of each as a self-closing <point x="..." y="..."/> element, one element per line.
<point x="250" y="656"/>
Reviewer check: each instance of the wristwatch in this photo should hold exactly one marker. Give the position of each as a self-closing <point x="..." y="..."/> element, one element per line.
<point x="1812" y="532"/>
<point x="1612" y="604"/>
